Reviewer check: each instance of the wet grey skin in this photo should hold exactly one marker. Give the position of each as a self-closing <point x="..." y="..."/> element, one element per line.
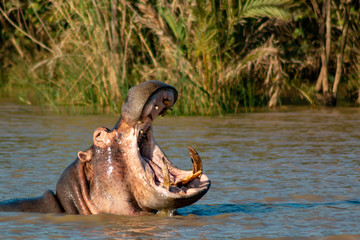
<point x="125" y="171"/>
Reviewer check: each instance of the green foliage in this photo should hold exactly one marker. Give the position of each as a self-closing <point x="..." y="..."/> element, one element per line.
<point x="204" y="41"/>
<point x="222" y="56"/>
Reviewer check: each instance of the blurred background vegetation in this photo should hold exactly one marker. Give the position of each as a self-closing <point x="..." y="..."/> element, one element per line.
<point x="223" y="56"/>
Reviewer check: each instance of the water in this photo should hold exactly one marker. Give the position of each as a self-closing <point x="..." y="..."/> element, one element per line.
<point x="292" y="174"/>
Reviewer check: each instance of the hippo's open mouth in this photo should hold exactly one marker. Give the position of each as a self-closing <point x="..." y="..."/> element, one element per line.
<point x="164" y="186"/>
<point x="163" y="172"/>
<point x="160" y="170"/>
<point x="172" y="186"/>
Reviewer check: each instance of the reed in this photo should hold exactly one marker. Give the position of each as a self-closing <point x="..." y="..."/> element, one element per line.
<point x="91" y="52"/>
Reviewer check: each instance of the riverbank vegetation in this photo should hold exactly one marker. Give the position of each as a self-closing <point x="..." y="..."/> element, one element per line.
<point x="222" y="56"/>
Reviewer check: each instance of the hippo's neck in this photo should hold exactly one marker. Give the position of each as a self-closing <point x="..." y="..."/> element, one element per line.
<point x="110" y="187"/>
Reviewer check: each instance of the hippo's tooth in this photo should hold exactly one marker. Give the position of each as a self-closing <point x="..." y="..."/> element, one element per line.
<point x="167" y="103"/>
<point x="187" y="179"/>
<point x="165" y="171"/>
<point x="196" y="160"/>
<point x="197" y="168"/>
<point x="163" y="112"/>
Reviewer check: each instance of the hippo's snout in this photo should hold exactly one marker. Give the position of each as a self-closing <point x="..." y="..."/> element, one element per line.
<point x="142" y="96"/>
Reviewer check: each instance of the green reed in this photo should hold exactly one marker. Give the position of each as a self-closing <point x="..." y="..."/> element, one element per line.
<point x="92" y="52"/>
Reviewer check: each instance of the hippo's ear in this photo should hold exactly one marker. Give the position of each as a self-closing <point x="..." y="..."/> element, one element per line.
<point x="99" y="138"/>
<point x="84" y="156"/>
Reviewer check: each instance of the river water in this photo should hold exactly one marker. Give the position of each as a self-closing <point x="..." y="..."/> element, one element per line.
<point x="291" y="174"/>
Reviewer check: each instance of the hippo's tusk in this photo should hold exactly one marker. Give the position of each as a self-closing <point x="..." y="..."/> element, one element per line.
<point x="166" y="178"/>
<point x="167" y="103"/>
<point x="196" y="160"/>
<point x="163" y="112"/>
<point x="197" y="169"/>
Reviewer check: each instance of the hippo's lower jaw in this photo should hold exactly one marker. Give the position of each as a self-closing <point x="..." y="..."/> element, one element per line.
<point x="171" y="187"/>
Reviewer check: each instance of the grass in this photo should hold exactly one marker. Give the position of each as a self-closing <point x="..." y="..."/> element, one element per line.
<point x="93" y="51"/>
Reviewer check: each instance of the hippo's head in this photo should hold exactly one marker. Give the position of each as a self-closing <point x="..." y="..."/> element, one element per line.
<point x="126" y="172"/>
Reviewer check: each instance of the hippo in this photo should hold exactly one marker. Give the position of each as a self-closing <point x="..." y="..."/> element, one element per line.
<point x="124" y="172"/>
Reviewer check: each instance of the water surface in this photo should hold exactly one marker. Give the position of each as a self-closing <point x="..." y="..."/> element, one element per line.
<point x="287" y="174"/>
